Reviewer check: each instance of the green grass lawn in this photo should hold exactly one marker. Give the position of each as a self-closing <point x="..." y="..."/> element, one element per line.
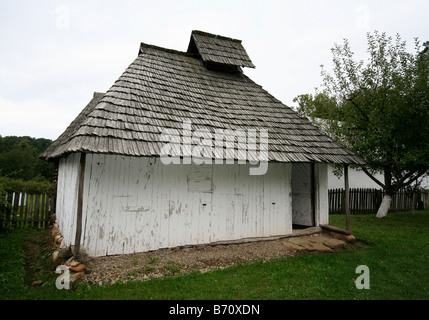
<point x="398" y="264"/>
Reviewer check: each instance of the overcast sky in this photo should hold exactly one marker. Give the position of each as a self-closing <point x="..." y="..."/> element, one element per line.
<point x="55" y="54"/>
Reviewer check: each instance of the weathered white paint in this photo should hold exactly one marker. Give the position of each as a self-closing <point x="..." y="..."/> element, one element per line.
<point x="321" y="193"/>
<point x="134" y="204"/>
<point x="67" y="188"/>
<point x="384" y="206"/>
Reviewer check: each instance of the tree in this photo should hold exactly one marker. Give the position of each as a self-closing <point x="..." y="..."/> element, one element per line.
<point x="378" y="109"/>
<point x="19" y="158"/>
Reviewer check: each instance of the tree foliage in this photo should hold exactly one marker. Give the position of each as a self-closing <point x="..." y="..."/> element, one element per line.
<point x="378" y="109"/>
<point x="19" y="158"/>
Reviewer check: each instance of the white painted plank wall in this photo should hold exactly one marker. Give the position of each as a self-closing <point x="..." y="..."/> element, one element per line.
<point x="67" y="188"/>
<point x="321" y="190"/>
<point x="138" y="204"/>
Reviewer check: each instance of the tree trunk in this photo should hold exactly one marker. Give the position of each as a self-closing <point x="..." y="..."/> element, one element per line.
<point x="387" y="199"/>
<point x="384" y="207"/>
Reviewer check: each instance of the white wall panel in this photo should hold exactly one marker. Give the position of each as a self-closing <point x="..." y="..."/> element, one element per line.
<point x="321" y="190"/>
<point x="67" y="189"/>
<point x="139" y="204"/>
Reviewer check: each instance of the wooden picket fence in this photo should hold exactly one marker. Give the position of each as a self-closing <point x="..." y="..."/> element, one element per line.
<point x="21" y="209"/>
<point x="368" y="200"/>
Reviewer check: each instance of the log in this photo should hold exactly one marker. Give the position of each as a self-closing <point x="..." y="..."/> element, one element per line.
<point x="335" y="229"/>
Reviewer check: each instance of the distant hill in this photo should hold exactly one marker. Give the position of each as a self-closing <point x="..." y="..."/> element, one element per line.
<point x="19" y="158"/>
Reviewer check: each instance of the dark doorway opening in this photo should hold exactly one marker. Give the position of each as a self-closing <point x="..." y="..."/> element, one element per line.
<point x="303" y="214"/>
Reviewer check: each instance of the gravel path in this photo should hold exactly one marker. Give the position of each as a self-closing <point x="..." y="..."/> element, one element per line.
<point x="167" y="262"/>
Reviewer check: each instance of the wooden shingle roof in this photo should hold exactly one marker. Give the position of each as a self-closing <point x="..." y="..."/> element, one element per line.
<point x="162" y="88"/>
<point x="218" y="49"/>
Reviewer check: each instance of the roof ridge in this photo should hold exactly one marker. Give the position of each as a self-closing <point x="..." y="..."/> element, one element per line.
<point x="203" y="33"/>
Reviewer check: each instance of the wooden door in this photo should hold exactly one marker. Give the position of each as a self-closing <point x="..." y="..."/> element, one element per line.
<point x="303" y="194"/>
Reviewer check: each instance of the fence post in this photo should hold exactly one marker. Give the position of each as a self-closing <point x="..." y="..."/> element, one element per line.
<point x="14" y="209"/>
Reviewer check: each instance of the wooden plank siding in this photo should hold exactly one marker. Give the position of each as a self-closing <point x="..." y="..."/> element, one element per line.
<point x="137" y="204"/>
<point x="145" y="205"/>
<point x="67" y="186"/>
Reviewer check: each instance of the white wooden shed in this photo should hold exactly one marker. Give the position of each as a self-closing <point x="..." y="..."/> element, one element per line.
<point x="114" y="184"/>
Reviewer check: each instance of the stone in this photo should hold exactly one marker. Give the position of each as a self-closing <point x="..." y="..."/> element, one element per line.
<point x="55" y="257"/>
<point x="74" y="263"/>
<point x="334" y="243"/>
<point x="65" y="253"/>
<point x="319" y="239"/>
<point x="299" y="240"/>
<point x="61" y="256"/>
<point x="347" y="238"/>
<point x="316" y="246"/>
<point x="55" y="230"/>
<point x="75" y="276"/>
<point x="58" y="239"/>
<point x="351" y="238"/>
<point x="36" y="283"/>
<point x="78" y="268"/>
<point x="68" y="262"/>
<point x="82" y="256"/>
<point x="291" y="245"/>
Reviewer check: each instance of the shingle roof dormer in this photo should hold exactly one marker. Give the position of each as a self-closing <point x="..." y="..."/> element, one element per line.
<point x="215" y="49"/>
